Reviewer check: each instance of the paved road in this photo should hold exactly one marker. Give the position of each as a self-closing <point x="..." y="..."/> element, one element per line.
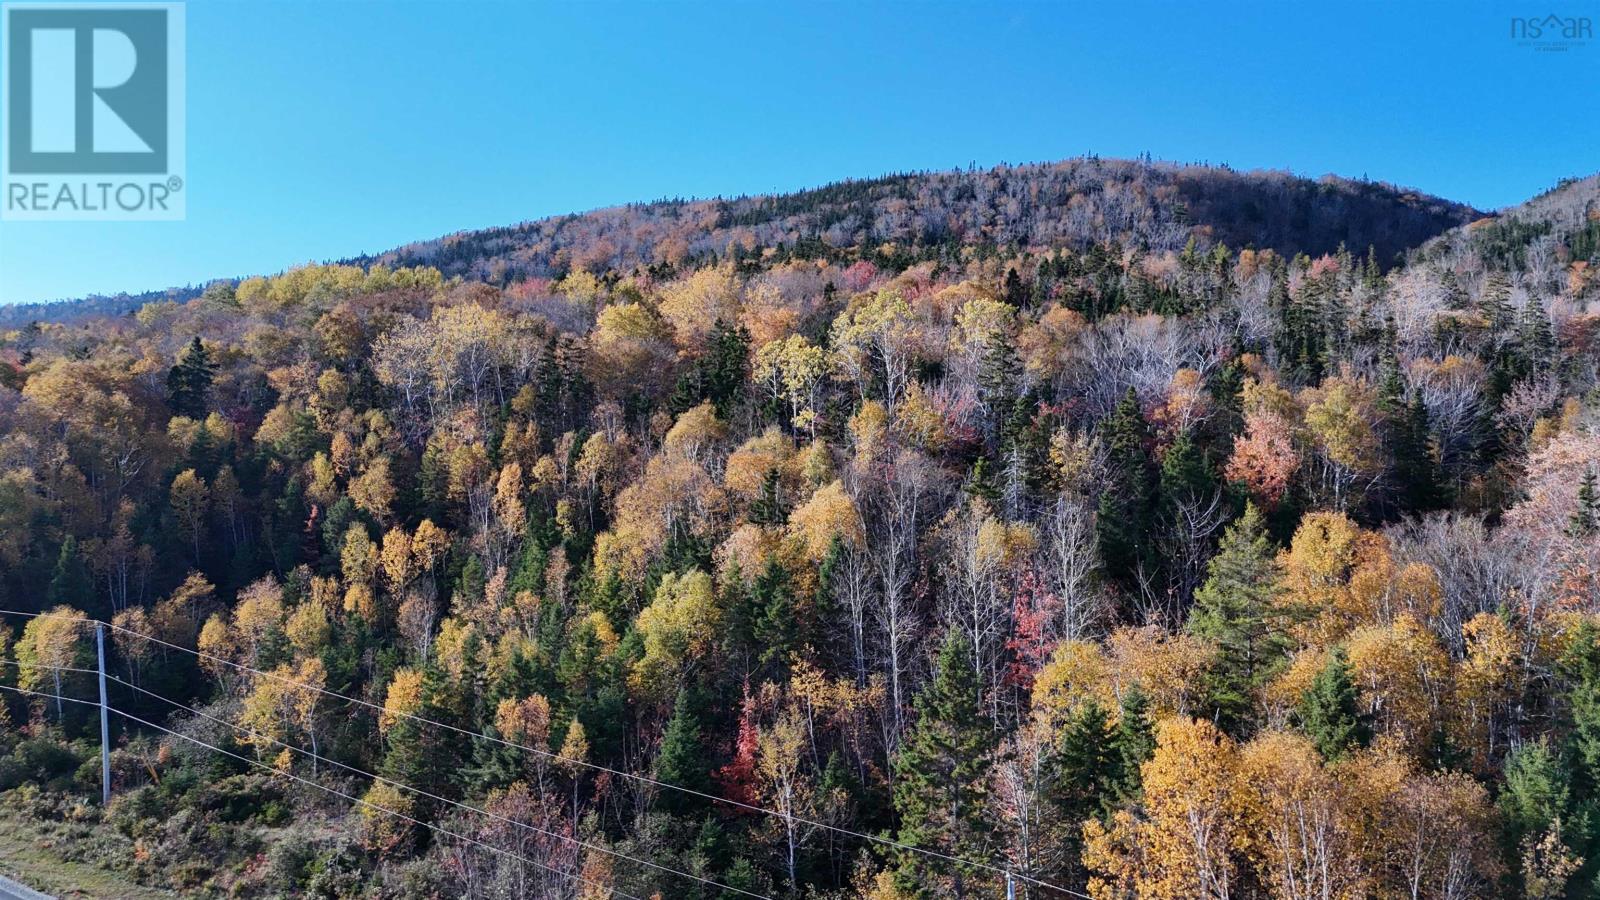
<point x="10" y="890"/>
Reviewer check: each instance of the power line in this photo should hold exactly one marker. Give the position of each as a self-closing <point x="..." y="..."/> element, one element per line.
<point x="17" y="690"/>
<point x="643" y="779"/>
<point x="597" y="767"/>
<point x="255" y="734"/>
<point x="418" y="791"/>
<point x="23" y="665"/>
<point x="374" y="806"/>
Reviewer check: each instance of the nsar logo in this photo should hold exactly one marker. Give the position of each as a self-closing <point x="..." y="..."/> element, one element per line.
<point x="1552" y="33"/>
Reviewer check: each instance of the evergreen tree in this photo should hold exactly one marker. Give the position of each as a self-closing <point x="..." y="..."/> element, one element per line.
<point x="189" y="381"/>
<point x="1586" y="517"/>
<point x="768" y="508"/>
<point x="1416" y="471"/>
<point x="1016" y="293"/>
<point x="1302" y="339"/>
<point x="1494" y="304"/>
<point x="494" y="766"/>
<point x="716" y="376"/>
<point x="777" y="631"/>
<point x="683" y="760"/>
<point x="1535" y="794"/>
<point x="1088" y="767"/>
<point x="1580" y="669"/>
<point x="1083" y="781"/>
<point x="1186" y="475"/>
<point x="1329" y="712"/>
<point x="1372" y="273"/>
<point x="1233" y="610"/>
<point x="981" y="481"/>
<point x="1226" y="387"/>
<point x="999" y="374"/>
<point x="1039" y="295"/>
<point x="425" y="756"/>
<point x="941" y="777"/>
<point x="472" y="581"/>
<point x="433" y="484"/>
<point x="288" y="537"/>
<point x="1135" y="742"/>
<point x="1125" y="505"/>
<point x="1391" y="383"/>
<point x="1536" y="336"/>
<point x="564" y="394"/>
<point x="70" y="583"/>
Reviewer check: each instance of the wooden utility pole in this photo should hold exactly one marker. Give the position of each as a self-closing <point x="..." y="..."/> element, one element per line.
<point x="105" y="727"/>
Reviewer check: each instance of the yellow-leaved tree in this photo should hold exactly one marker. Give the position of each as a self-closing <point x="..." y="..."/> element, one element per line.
<point x="49" y="642"/>
<point x="678" y="627"/>
<point x="1182" y="847"/>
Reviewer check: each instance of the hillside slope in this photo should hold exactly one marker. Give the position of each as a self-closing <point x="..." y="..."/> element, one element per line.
<point x="1065" y="204"/>
<point x="1068" y="204"/>
<point x="674" y="561"/>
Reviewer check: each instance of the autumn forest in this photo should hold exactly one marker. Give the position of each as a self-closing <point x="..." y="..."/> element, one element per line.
<point x="1101" y="529"/>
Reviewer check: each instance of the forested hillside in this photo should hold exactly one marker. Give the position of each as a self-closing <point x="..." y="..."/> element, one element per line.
<point x="934" y="216"/>
<point x="914" y="218"/>
<point x="1064" y="522"/>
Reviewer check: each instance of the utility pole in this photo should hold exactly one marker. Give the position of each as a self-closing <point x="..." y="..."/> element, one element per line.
<point x="105" y="727"/>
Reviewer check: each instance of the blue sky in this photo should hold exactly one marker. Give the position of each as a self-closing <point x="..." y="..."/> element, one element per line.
<point x="318" y="130"/>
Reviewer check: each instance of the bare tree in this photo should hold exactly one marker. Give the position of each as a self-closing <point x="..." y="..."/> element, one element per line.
<point x="904" y="495"/>
<point x="1069" y="556"/>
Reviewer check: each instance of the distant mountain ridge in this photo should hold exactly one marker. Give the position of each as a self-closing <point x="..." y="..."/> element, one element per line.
<point x="1070" y="203"/>
<point x="1568" y="212"/>
<point x="1063" y="204"/>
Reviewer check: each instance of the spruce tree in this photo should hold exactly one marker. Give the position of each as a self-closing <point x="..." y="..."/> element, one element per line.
<point x="70" y="583"/>
<point x="1372" y="273"/>
<point x="1580" y="669"/>
<point x="717" y="375"/>
<point x="1185" y="473"/>
<point x="1536" y="792"/>
<point x="189" y="381"/>
<point x="1088" y="765"/>
<point x="981" y="481"/>
<point x="1233" y="610"/>
<point x="1083" y="782"/>
<point x="1416" y="471"/>
<point x="999" y="374"/>
<point x="776" y="630"/>
<point x="1586" y="516"/>
<point x="425" y="756"/>
<point x="768" y="508"/>
<point x="1186" y="483"/>
<point x="682" y="761"/>
<point x="1125" y="505"/>
<point x="1329" y="712"/>
<point x="1494" y="304"/>
<point x="1226" y="388"/>
<point x="1135" y="741"/>
<point x="1016" y="293"/>
<point x="941" y="777"/>
<point x="1536" y="336"/>
<point x="1391" y="383"/>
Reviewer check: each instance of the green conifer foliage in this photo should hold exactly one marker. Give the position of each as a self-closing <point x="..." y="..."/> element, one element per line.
<point x="1329" y="712"/>
<point x="941" y="778"/>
